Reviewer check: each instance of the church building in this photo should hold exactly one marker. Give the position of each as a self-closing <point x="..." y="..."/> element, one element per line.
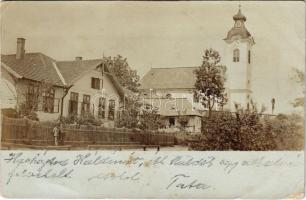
<point x="238" y="60"/>
<point x="178" y="82"/>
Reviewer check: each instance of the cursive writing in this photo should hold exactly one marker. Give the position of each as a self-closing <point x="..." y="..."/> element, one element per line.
<point x="112" y="176"/>
<point x="183" y="181"/>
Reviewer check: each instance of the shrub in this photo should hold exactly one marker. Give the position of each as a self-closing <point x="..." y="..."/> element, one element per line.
<point x="246" y="131"/>
<point x="84" y="119"/>
<point x="9" y="112"/>
<point x="288" y="131"/>
<point x="228" y="131"/>
<point x="26" y="111"/>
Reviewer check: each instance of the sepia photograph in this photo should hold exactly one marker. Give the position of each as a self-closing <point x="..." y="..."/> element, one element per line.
<point x="152" y="76"/>
<point x="152" y="99"/>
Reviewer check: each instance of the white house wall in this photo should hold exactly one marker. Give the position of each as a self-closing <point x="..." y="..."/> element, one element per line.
<point x="8" y="91"/>
<point x="83" y="86"/>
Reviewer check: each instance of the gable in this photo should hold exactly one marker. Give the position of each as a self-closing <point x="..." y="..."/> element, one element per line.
<point x="74" y="72"/>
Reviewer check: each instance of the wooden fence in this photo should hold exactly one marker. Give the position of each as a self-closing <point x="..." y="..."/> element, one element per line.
<point x="24" y="131"/>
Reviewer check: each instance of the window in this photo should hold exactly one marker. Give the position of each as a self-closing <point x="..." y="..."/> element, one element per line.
<point x="101" y="108"/>
<point x="111" y="109"/>
<point x="171" y="121"/>
<point x="73" y="103"/>
<point x="48" y="100"/>
<point x="236" y="55"/>
<point x="32" y="96"/>
<point x="86" y="104"/>
<point x="95" y="83"/>
<point x="249" y="56"/>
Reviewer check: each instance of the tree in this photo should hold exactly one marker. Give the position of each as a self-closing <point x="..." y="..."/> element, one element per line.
<point x="210" y="78"/>
<point x="129" y="117"/>
<point x="127" y="77"/>
<point x="300" y="78"/>
<point x="149" y="118"/>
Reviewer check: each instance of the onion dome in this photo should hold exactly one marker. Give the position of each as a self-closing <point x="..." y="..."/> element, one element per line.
<point x="239" y="16"/>
<point x="239" y="28"/>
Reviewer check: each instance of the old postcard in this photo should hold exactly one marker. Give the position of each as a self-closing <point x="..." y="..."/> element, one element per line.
<point x="182" y="99"/>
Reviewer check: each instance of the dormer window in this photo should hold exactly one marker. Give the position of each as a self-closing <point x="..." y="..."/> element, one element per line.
<point x="236" y="55"/>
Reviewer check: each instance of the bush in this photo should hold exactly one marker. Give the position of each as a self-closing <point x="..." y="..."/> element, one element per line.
<point x="85" y="119"/>
<point x="288" y="131"/>
<point x="240" y="131"/>
<point x="9" y="112"/>
<point x="250" y="131"/>
<point x="26" y="111"/>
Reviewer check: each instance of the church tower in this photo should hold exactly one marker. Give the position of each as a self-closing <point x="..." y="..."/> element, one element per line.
<point x="238" y="60"/>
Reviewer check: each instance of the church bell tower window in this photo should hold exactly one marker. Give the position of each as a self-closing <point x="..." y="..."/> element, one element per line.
<point x="249" y="57"/>
<point x="236" y="55"/>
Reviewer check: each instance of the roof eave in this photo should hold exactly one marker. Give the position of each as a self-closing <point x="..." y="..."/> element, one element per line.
<point x="10" y="70"/>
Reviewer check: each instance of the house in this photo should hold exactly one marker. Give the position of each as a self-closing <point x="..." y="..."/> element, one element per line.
<point x="177" y="114"/>
<point x="176" y="82"/>
<point x="60" y="88"/>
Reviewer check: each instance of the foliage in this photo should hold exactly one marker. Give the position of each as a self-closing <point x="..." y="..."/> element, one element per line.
<point x="138" y="114"/>
<point x="210" y="78"/>
<point x="149" y="119"/>
<point x="247" y="130"/>
<point x="183" y="120"/>
<point x="288" y="131"/>
<point x="9" y="112"/>
<point x="129" y="117"/>
<point x="25" y="110"/>
<point x="127" y="77"/>
<point x="299" y="77"/>
<point x="84" y="119"/>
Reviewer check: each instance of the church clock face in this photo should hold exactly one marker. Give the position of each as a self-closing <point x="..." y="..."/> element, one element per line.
<point x="238" y="24"/>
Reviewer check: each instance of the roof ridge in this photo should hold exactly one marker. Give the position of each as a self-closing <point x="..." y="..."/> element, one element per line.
<point x="79" y="60"/>
<point x="172" y="67"/>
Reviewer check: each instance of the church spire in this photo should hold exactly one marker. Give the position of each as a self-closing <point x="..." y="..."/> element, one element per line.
<point x="239" y="29"/>
<point x="239" y="15"/>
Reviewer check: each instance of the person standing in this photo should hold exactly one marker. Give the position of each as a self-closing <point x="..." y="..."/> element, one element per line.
<point x="56" y="134"/>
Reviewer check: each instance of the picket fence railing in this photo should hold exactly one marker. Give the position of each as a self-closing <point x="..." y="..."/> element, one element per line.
<point x="28" y="132"/>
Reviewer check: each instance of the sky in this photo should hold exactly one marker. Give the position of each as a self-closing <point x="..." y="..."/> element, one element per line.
<point x="165" y="34"/>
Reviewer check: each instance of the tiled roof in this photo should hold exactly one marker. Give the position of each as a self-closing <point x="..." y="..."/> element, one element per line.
<point x="73" y="70"/>
<point x="172" y="106"/>
<point x="174" y="78"/>
<point x="39" y="67"/>
<point x="34" y="66"/>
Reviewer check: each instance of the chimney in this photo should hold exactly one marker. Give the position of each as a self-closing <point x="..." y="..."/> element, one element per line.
<point x="78" y="58"/>
<point x="20" y="48"/>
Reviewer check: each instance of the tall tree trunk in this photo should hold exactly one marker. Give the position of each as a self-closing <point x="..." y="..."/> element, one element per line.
<point x="209" y="109"/>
